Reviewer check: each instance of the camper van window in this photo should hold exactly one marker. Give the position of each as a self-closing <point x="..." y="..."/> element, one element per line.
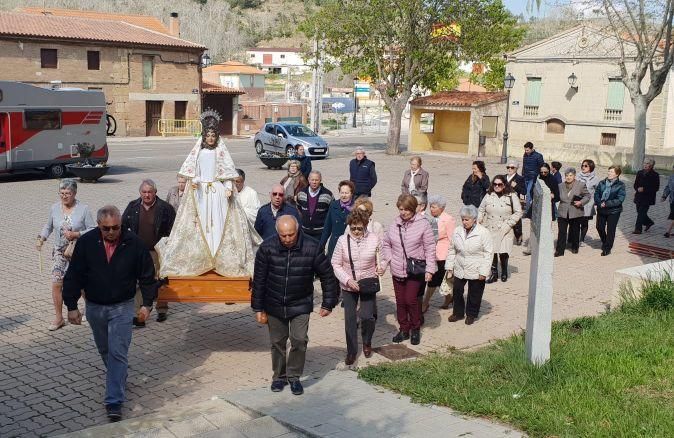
<point x="39" y="120"/>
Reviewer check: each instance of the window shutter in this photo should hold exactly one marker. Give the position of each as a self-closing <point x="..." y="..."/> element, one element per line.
<point x="533" y="92"/>
<point x="616" y="94"/>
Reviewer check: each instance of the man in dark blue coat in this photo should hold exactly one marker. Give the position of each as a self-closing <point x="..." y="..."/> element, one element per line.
<point x="531" y="165"/>
<point x="362" y="174"/>
<point x="283" y="295"/>
<point x="265" y="221"/>
<point x="646" y="186"/>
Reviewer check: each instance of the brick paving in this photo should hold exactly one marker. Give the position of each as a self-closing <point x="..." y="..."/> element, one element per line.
<point x="53" y="382"/>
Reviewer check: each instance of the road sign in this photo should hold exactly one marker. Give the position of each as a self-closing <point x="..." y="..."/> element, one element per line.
<point x="337" y="106"/>
<point x="362" y="90"/>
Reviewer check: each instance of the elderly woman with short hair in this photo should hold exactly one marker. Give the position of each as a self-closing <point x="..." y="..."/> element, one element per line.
<point x="469" y="261"/>
<point x="293" y="182"/>
<point x="442" y="225"/>
<point x="415" y="179"/>
<point x="573" y="196"/>
<point x="591" y="180"/>
<point x="68" y="219"/>
<point x="409" y="248"/>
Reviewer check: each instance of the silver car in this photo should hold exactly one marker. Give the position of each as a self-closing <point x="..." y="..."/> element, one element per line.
<point x="286" y="137"/>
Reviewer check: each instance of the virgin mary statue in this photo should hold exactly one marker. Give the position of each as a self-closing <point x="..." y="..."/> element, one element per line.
<point x="211" y="230"/>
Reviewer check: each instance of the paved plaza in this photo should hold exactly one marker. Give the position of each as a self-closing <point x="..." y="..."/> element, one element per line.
<point x="53" y="382"/>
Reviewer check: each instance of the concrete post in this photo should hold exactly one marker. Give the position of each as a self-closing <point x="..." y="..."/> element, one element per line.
<point x="539" y="311"/>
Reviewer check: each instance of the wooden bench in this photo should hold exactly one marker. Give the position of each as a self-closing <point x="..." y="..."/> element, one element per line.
<point x="651" y="251"/>
<point x="207" y="288"/>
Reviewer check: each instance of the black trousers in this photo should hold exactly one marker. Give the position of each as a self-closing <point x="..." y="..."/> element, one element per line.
<point x="642" y="217"/>
<point x="367" y="320"/>
<point x="606" y="226"/>
<point x="568" y="228"/>
<point x="475" y="291"/>
<point x="584" y="226"/>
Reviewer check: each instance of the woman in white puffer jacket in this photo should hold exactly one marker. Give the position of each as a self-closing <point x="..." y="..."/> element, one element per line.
<point x="469" y="261"/>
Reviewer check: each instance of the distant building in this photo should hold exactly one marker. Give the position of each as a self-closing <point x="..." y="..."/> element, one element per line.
<point x="145" y="69"/>
<point x="232" y="74"/>
<point x="570" y="101"/>
<point x="277" y="61"/>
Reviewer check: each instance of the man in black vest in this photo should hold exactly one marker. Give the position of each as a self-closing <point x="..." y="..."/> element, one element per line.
<point x="362" y="174"/>
<point x="313" y="203"/>
<point x="646" y="184"/>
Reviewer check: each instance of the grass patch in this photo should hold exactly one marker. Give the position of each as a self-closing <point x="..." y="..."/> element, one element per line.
<point x="611" y="375"/>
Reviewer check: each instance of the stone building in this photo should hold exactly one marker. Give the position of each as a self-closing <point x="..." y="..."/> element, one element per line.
<point x="146" y="72"/>
<point x="239" y="76"/>
<point x="569" y="100"/>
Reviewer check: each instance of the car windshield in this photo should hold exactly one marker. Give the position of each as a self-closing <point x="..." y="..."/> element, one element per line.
<point x="299" y="131"/>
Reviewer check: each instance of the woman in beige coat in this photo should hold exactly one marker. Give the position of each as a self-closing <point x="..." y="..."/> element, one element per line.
<point x="500" y="210"/>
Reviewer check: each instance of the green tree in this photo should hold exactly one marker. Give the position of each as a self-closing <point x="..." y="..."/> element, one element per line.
<point x="405" y="45"/>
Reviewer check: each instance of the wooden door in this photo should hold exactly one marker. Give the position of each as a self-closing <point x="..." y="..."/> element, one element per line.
<point x="152" y="116"/>
<point x="181" y="110"/>
<point x="266" y="59"/>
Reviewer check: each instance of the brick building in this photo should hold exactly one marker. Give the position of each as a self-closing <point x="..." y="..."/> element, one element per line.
<point x="232" y="74"/>
<point x="145" y="70"/>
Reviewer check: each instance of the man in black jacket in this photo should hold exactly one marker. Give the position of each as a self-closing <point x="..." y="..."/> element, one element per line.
<point x="362" y="174"/>
<point x="150" y="218"/>
<point x="283" y="294"/>
<point x="313" y="203"/>
<point x="518" y="186"/>
<point x="107" y="263"/>
<point x="646" y="184"/>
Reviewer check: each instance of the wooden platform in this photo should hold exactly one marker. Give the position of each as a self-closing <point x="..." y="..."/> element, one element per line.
<point x="206" y="288"/>
<point x="651" y="251"/>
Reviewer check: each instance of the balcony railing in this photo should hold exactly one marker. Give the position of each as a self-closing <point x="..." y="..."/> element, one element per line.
<point x="169" y="127"/>
<point x="613" y="115"/>
<point x="530" y="111"/>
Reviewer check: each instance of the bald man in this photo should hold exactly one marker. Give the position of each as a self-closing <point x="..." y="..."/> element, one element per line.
<point x="283" y="291"/>
<point x="265" y="222"/>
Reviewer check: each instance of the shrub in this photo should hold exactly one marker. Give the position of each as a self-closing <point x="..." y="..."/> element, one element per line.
<point x="655" y="295"/>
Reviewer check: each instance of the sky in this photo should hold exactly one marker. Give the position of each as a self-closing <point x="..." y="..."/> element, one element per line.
<point x="520" y="6"/>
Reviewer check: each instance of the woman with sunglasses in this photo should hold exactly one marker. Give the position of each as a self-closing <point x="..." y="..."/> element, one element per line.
<point x="335" y="222"/>
<point x="355" y="258"/>
<point x="68" y="220"/>
<point x="591" y="181"/>
<point x="499" y="211"/>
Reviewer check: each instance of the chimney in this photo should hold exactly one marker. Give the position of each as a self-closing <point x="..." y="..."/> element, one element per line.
<point x="174" y="24"/>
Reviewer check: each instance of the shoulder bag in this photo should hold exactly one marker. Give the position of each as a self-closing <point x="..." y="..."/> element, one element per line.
<point x="70" y="248"/>
<point x="366" y="286"/>
<point x="415" y="267"/>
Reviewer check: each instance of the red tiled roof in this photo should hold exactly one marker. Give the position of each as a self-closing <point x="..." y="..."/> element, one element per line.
<point x="233" y="67"/>
<point x="211" y="88"/>
<point x="146" y="21"/>
<point x="85" y="29"/>
<point x="459" y="98"/>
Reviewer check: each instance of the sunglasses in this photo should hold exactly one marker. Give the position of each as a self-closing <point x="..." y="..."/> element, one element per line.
<point x="511" y="167"/>
<point x="277" y="194"/>
<point x="498" y="184"/>
<point x="112" y="228"/>
<point x="544" y="173"/>
<point x="585" y="165"/>
<point x="357" y="228"/>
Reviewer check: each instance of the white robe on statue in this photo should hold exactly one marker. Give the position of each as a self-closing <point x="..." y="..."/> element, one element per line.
<point x="211" y="231"/>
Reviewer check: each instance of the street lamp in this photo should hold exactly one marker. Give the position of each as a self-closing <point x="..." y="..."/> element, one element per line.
<point x="355" y="101"/>
<point x="205" y="61"/>
<point x="508" y="84"/>
<point x="572" y="81"/>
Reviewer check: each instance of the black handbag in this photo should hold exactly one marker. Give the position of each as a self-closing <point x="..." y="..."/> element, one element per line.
<point x="366" y="286"/>
<point x="415" y="267"/>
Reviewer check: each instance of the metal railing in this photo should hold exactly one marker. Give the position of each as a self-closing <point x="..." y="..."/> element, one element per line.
<point x="613" y="115"/>
<point x="168" y="127"/>
<point x="530" y="110"/>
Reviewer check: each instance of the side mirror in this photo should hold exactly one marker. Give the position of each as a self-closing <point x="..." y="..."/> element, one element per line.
<point x="281" y="135"/>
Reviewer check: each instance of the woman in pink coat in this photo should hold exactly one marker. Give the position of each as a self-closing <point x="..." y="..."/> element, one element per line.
<point x="443" y="226"/>
<point x="409" y="239"/>
<point x="355" y="258"/>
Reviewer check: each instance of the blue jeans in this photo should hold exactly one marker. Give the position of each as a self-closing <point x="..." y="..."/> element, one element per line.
<point x="111" y="325"/>
<point x="529" y="184"/>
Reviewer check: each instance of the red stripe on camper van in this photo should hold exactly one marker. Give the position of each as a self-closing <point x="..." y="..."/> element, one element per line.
<point x="81" y="118"/>
<point x="20" y="134"/>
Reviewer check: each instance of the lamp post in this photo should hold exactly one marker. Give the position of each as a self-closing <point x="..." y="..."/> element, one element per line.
<point x="204" y="62"/>
<point x="572" y="81"/>
<point x="355" y="101"/>
<point x="508" y="84"/>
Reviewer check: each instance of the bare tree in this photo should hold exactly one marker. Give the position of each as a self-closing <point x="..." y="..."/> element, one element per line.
<point x="643" y="29"/>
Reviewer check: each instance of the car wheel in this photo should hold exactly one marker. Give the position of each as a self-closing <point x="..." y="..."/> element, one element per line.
<point x="290" y="150"/>
<point x="258" y="147"/>
<point x="56" y="171"/>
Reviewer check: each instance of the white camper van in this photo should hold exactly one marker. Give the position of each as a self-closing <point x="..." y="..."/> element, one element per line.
<point x="40" y="127"/>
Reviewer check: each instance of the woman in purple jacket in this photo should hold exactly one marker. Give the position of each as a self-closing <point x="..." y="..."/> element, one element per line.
<point x="409" y="241"/>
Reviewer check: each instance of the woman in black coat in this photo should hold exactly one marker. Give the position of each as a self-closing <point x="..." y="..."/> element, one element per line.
<point x="476" y="185"/>
<point x="549" y="179"/>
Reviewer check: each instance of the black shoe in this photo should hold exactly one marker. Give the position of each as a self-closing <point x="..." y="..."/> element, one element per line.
<point x="137" y="322"/>
<point x="605" y="253"/>
<point x="667" y="234"/>
<point x="401" y="336"/>
<point x="161" y="317"/>
<point x="114" y="412"/>
<point x="296" y="387"/>
<point x="558" y="254"/>
<point x="416" y="337"/>
<point x="636" y="232"/>
<point x="574" y="251"/>
<point x="470" y="320"/>
<point x="493" y="278"/>
<point x="454" y="318"/>
<point x="278" y="385"/>
<point x="504" y="266"/>
<point x="647" y="227"/>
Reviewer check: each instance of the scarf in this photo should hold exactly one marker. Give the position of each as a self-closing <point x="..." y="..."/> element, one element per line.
<point x="584" y="177"/>
<point x="346" y="206"/>
<point x="607" y="189"/>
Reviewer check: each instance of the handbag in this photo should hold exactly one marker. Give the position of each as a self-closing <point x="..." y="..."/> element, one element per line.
<point x="70" y="248"/>
<point x="366" y="286"/>
<point x="415" y="267"/>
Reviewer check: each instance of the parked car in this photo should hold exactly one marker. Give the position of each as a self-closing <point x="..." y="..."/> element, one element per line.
<point x="285" y="137"/>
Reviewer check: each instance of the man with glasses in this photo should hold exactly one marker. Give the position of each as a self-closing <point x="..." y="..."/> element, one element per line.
<point x="518" y="186"/>
<point x="107" y="263"/>
<point x="265" y="222"/>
